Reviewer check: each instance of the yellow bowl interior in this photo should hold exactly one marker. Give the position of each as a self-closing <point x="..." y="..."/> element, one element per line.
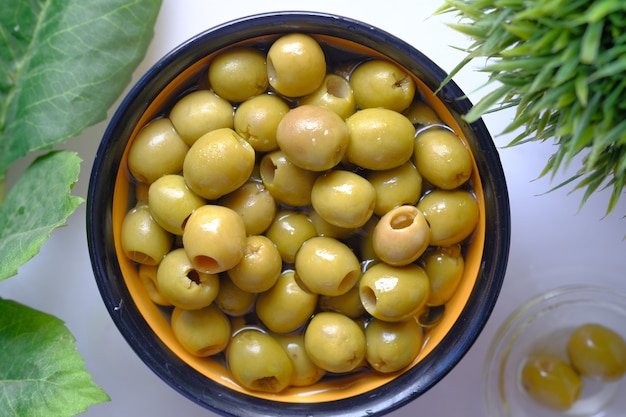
<point x="328" y="389"/>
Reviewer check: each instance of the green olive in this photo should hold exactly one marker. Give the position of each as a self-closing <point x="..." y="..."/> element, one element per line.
<point x="343" y="198"/>
<point x="296" y="65"/>
<point x="254" y="203"/>
<point x="214" y="238"/>
<point x="218" y="163"/>
<point x="392" y="346"/>
<point x="156" y="150"/>
<point x="401" y="235"/>
<point x="289" y="230"/>
<point x="288" y="183"/>
<point x="597" y="352"/>
<point x="420" y="113"/>
<point x="442" y="159"/>
<point x="326" y="266"/>
<point x="444" y="267"/>
<point x="335" y="94"/>
<point x="313" y="137"/>
<point x="394" y="293"/>
<point x="171" y="202"/>
<point x="257" y="118"/>
<point x="200" y="112"/>
<point x="551" y="382"/>
<point x="335" y="342"/>
<point x="182" y="285"/>
<point x="258" y="362"/>
<point x="148" y="277"/>
<point x="260" y="266"/>
<point x="203" y="332"/>
<point x="348" y="303"/>
<point x="305" y="372"/>
<point x="232" y="300"/>
<point x="143" y="240"/>
<point x="238" y="74"/>
<point x="286" y="306"/>
<point x="323" y="228"/>
<point x="380" y="83"/>
<point x="395" y="187"/>
<point x="452" y="215"/>
<point x="379" y="139"/>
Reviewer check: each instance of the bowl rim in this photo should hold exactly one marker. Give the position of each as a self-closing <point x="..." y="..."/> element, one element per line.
<point x="188" y="381"/>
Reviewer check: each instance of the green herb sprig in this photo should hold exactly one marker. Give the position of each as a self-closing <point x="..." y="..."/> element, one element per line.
<point x="562" y="65"/>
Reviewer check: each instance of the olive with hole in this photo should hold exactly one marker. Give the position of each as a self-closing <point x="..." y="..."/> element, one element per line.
<point x="394" y="293"/>
<point x="258" y="362"/>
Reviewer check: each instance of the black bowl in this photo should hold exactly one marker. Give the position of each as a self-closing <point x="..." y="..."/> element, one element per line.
<point x="465" y="316"/>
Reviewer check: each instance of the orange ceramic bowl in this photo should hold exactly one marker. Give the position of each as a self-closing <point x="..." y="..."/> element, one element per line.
<point x="208" y="382"/>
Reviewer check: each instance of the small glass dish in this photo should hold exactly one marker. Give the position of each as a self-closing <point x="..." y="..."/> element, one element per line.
<point x="543" y="324"/>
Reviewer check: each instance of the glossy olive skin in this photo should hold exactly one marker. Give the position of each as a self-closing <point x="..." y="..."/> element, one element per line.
<point x="327" y="266"/>
<point x="215" y="238"/>
<point x="334" y="94"/>
<point x="171" y="202"/>
<point x="305" y="372"/>
<point x="238" y="74"/>
<point x="380" y="83"/>
<point x="288" y="183"/>
<point x="257" y="118"/>
<point x="258" y="362"/>
<point x="203" y="332"/>
<point x="597" y="352"/>
<point x="420" y="113"/>
<point x="392" y="346"/>
<point x="182" y="285"/>
<point x="260" y="266"/>
<point x="395" y="187"/>
<point x="232" y="300"/>
<point x="286" y="306"/>
<point x="551" y="382"/>
<point x="289" y="230"/>
<point x="313" y="137"/>
<point x="452" y="215"/>
<point x="348" y="303"/>
<point x="148" y="277"/>
<point x="157" y="150"/>
<point x="143" y="240"/>
<point x="296" y="65"/>
<point x="218" y="163"/>
<point x="343" y="198"/>
<point x="200" y="112"/>
<point x="254" y="203"/>
<point x="394" y="293"/>
<point x="444" y="267"/>
<point x="335" y="342"/>
<point x="401" y="235"/>
<point x="442" y="158"/>
<point x="379" y="139"/>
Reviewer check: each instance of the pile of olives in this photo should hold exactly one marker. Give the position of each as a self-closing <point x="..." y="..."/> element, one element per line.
<point x="299" y="210"/>
<point x="593" y="352"/>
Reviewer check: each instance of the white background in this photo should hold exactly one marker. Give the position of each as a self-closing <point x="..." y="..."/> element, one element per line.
<point x="553" y="242"/>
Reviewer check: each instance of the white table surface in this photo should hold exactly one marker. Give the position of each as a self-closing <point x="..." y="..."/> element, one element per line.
<point x="553" y="242"/>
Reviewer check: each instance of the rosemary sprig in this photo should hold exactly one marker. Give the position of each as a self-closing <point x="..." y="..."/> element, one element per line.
<point x="562" y="65"/>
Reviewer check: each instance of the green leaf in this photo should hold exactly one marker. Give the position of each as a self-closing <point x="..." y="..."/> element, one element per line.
<point x="62" y="65"/>
<point x="41" y="372"/>
<point x="39" y="202"/>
